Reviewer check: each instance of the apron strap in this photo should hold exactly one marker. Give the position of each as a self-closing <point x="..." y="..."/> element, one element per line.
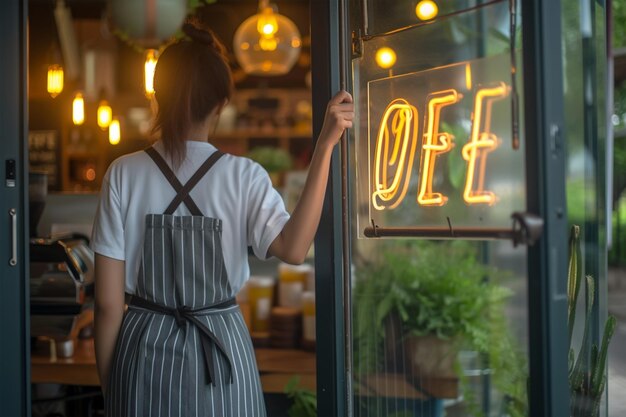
<point x="182" y="192"/>
<point x="208" y="339"/>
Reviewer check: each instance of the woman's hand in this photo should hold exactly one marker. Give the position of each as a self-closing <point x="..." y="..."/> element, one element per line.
<point x="339" y="116"/>
<point x="293" y="243"/>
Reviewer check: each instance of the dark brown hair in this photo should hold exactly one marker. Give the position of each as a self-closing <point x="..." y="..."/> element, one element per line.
<point x="192" y="77"/>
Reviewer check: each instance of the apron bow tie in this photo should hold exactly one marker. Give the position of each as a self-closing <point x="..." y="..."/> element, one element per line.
<point x="208" y="339"/>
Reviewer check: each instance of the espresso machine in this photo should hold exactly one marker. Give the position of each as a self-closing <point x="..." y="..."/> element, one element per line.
<point x="61" y="277"/>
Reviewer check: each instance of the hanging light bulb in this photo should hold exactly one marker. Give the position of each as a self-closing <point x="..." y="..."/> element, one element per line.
<point x="426" y="10"/>
<point x="55" y="80"/>
<point x="385" y="57"/>
<point x="149" y="67"/>
<point x="105" y="114"/>
<point x="266" y="25"/>
<point x="267" y="43"/>
<point x="78" y="109"/>
<point x="114" y="132"/>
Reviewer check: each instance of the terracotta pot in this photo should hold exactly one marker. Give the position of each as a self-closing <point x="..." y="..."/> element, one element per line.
<point x="418" y="355"/>
<point x="430" y="356"/>
<point x="426" y="362"/>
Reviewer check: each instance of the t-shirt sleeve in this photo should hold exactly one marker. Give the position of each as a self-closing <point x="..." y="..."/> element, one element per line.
<point x="266" y="212"/>
<point x="107" y="237"/>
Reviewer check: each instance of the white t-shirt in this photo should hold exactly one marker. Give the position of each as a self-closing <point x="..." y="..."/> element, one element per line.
<point x="236" y="190"/>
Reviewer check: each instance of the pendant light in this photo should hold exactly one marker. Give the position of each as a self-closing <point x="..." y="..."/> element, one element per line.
<point x="55" y="80"/>
<point x="149" y="67"/>
<point x="78" y="109"/>
<point x="105" y="113"/>
<point x="55" y="72"/>
<point x="115" y="134"/>
<point x="267" y="43"/>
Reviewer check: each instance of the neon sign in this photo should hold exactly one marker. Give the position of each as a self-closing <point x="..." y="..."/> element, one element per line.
<point x="400" y="123"/>
<point x="482" y="142"/>
<point x="434" y="144"/>
<point x="396" y="145"/>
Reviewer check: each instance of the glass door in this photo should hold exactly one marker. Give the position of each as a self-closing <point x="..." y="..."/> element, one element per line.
<point x="480" y="139"/>
<point x="440" y="293"/>
<point x="454" y="295"/>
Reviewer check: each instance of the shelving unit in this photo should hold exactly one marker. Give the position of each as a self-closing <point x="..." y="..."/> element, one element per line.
<point x="83" y="158"/>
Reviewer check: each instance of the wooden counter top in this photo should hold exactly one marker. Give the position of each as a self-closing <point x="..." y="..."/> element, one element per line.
<point x="276" y="367"/>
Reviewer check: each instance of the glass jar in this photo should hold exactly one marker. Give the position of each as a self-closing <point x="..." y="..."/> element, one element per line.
<point x="260" y="296"/>
<point x="291" y="284"/>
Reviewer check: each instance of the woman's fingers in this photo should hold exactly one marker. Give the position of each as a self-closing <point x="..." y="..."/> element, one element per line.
<point x="341" y="97"/>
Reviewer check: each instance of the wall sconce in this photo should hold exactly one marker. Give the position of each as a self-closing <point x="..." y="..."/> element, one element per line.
<point x="55" y="80"/>
<point x="426" y="10"/>
<point x="114" y="132"/>
<point x="152" y="56"/>
<point x="385" y="57"/>
<point x="267" y="43"/>
<point x="105" y="114"/>
<point x="78" y="109"/>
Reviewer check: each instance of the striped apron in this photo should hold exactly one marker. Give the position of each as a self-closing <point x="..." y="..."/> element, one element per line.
<point x="183" y="348"/>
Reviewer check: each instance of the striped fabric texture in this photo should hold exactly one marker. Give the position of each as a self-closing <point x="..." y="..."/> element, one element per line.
<point x="158" y="366"/>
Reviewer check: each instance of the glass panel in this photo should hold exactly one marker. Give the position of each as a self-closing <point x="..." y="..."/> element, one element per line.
<point x="435" y="146"/>
<point x="439" y="327"/>
<point x="584" y="79"/>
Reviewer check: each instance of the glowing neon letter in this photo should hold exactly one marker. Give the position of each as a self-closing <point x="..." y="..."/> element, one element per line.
<point x="394" y="154"/>
<point x="434" y="143"/>
<point x="481" y="143"/>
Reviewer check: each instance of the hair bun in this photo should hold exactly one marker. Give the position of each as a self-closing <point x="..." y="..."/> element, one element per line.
<point x="199" y="35"/>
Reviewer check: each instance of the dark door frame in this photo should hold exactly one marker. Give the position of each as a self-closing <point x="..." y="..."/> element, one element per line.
<point x="545" y="181"/>
<point x="14" y="296"/>
<point x="331" y="377"/>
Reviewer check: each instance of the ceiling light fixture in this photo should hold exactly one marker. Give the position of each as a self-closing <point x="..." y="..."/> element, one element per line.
<point x="55" y="80"/>
<point x="115" y="134"/>
<point x="78" y="109"/>
<point x="267" y="43"/>
<point x="152" y="56"/>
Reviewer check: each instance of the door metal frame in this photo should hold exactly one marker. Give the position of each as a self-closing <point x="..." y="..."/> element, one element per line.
<point x="545" y="176"/>
<point x="332" y="391"/>
<point x="545" y="181"/>
<point x="14" y="295"/>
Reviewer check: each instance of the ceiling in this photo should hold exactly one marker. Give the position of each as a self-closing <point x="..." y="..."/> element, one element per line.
<point x="91" y="23"/>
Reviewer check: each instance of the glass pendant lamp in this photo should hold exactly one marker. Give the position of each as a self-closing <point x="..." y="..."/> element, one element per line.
<point x="267" y="43"/>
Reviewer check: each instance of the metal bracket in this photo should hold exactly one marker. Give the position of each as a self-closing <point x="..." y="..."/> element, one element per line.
<point x="357" y="44"/>
<point x="527" y="228"/>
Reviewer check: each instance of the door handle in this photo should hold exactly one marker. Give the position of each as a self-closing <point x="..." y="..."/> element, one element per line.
<point x="13" y="214"/>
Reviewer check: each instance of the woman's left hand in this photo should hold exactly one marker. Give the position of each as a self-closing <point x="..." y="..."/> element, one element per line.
<point x="339" y="116"/>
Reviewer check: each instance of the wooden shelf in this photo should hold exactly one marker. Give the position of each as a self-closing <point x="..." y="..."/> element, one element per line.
<point x="276" y="367"/>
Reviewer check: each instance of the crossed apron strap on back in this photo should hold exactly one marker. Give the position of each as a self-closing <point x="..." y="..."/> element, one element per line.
<point x="207" y="337"/>
<point x="182" y="191"/>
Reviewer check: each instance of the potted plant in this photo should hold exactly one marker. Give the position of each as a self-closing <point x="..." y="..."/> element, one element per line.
<point x="275" y="161"/>
<point x="304" y="401"/>
<point x="587" y="370"/>
<point x="422" y="303"/>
